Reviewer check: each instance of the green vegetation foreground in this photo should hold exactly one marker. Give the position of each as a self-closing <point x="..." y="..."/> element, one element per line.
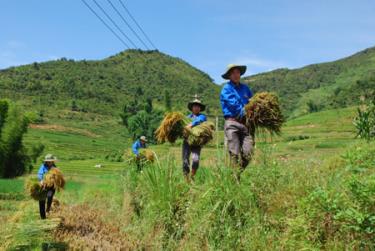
<point x="288" y="199"/>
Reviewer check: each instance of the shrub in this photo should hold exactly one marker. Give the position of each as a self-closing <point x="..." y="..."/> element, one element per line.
<point x="364" y="122"/>
<point x="15" y="158"/>
<point x="343" y="209"/>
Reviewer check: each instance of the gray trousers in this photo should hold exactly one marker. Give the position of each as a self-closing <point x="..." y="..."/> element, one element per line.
<point x="240" y="143"/>
<point x="195" y="152"/>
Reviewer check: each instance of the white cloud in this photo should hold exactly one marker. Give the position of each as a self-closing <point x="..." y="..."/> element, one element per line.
<point x="14" y="53"/>
<point x="257" y="65"/>
<point x="14" y="44"/>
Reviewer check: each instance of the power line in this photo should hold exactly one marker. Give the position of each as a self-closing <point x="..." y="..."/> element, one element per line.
<point x="123" y="19"/>
<point x="114" y="23"/>
<point x="113" y="32"/>
<point x="131" y="16"/>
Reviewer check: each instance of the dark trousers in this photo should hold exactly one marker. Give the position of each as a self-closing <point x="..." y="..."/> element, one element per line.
<point x="188" y="150"/>
<point x="42" y="204"/>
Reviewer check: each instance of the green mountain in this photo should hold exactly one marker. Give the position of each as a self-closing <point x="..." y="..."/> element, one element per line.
<point x="321" y="86"/>
<point x="104" y="86"/>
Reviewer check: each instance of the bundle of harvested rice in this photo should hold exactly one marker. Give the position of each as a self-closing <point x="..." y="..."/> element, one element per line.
<point x="171" y="128"/>
<point x="54" y="179"/>
<point x="35" y="189"/>
<point x="201" y="134"/>
<point x="147" y="155"/>
<point x="263" y="111"/>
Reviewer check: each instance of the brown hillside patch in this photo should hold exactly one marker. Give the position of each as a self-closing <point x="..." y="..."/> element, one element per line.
<point x="60" y="128"/>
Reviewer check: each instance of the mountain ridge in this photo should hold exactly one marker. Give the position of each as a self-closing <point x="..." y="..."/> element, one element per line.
<point x="320" y="86"/>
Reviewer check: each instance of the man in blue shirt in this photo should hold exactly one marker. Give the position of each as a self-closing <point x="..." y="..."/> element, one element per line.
<point x="48" y="164"/>
<point x="196" y="107"/>
<point x="140" y="143"/>
<point x="233" y="98"/>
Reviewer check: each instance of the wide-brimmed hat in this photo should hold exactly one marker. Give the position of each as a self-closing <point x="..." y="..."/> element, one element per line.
<point x="196" y="101"/>
<point x="230" y="67"/>
<point x="50" y="158"/>
<point x="143" y="138"/>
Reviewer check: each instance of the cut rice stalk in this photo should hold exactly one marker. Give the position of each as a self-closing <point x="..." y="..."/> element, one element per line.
<point x="54" y="179"/>
<point x="201" y="134"/>
<point x="35" y="189"/>
<point x="147" y="155"/>
<point x="263" y="111"/>
<point x="171" y="128"/>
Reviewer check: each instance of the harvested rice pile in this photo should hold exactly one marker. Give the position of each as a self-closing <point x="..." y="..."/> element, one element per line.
<point x="171" y="128"/>
<point x="54" y="179"/>
<point x="35" y="190"/>
<point x="263" y="111"/>
<point x="201" y="134"/>
<point x="87" y="228"/>
<point x="147" y="155"/>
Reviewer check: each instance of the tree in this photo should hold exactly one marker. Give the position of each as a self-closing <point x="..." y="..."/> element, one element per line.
<point x="129" y="110"/>
<point x="364" y="122"/>
<point x="36" y="66"/>
<point x="144" y="123"/>
<point x="140" y="118"/>
<point x="312" y="106"/>
<point x="138" y="124"/>
<point x="167" y="101"/>
<point x="4" y="106"/>
<point x="14" y="158"/>
<point x="148" y="105"/>
<point x="139" y="91"/>
<point x="74" y="106"/>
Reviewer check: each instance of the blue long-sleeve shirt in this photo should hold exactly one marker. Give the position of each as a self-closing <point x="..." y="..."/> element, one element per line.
<point x="197" y="119"/>
<point x="136" y="146"/>
<point x="43" y="169"/>
<point x="233" y="99"/>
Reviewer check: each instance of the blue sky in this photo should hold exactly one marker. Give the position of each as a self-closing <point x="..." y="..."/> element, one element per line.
<point x="208" y="34"/>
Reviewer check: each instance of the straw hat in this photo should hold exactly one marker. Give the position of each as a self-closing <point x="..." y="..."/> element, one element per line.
<point x="143" y="138"/>
<point x="196" y="101"/>
<point x="50" y="158"/>
<point x="230" y="67"/>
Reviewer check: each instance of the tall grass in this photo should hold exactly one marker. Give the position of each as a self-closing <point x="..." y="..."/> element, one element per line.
<point x="275" y="206"/>
<point x="301" y="205"/>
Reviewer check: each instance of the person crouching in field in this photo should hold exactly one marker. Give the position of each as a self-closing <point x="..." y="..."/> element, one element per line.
<point x="196" y="107"/>
<point x="48" y="164"/>
<point x="140" y="143"/>
<point x="233" y="98"/>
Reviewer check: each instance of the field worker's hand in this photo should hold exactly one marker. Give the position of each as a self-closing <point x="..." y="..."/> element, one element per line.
<point x="189" y="126"/>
